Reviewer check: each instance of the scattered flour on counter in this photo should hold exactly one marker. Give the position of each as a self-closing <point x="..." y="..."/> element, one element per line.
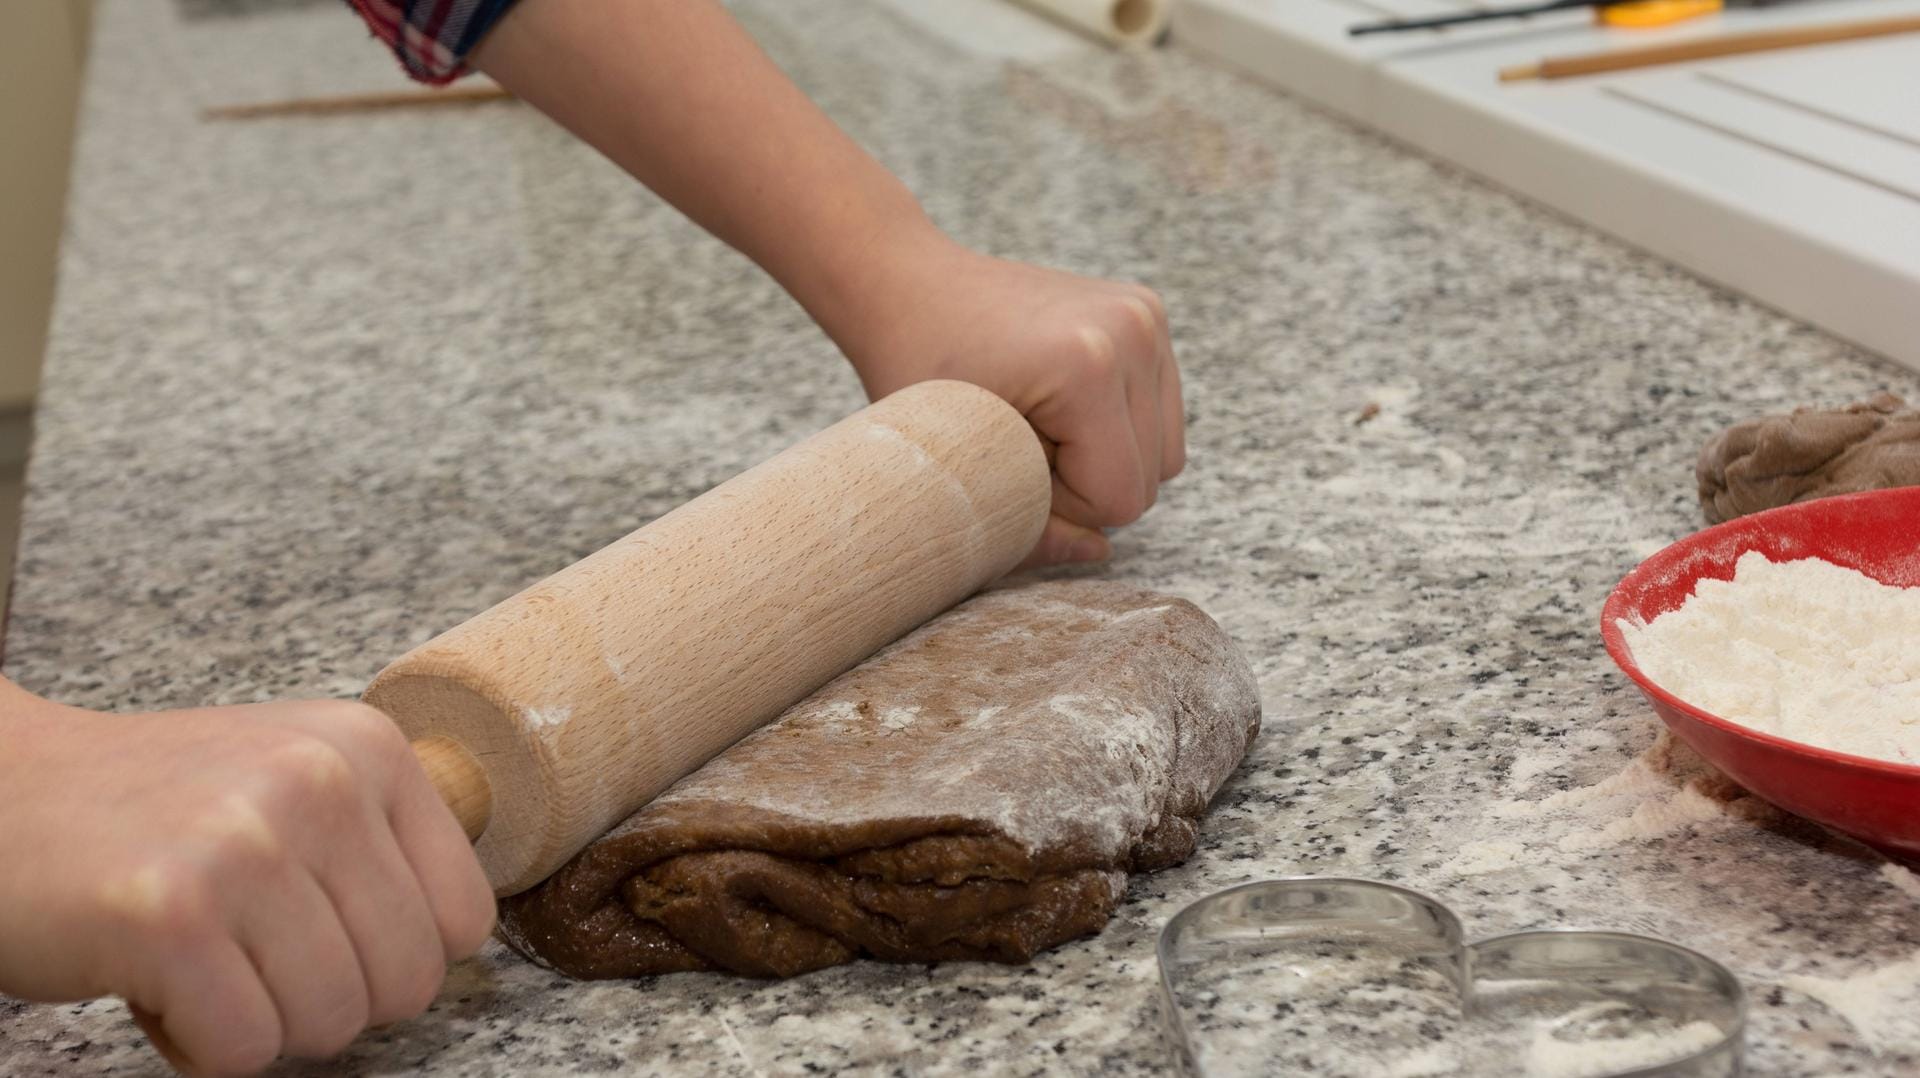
<point x="1882" y="1005"/>
<point x="1903" y="880"/>
<point x="1435" y="1062"/>
<point x="1805" y="650"/>
<point x="1481" y="856"/>
<point x="1548" y="1056"/>
<point x="1663" y="791"/>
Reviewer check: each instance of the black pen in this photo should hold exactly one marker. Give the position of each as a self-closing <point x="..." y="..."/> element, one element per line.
<point x="1660" y="11"/>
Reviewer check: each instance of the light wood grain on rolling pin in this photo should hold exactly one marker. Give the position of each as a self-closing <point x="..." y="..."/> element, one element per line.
<point x="584" y="696"/>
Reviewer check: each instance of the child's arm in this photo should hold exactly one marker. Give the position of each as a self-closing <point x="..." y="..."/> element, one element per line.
<point x="676" y="93"/>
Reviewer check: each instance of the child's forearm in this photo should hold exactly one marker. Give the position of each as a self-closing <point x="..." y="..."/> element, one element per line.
<point x="676" y="93"/>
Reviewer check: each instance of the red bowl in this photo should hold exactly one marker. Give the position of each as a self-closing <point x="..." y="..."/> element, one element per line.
<point x="1878" y="533"/>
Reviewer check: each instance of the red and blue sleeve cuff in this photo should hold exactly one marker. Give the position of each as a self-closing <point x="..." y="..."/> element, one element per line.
<point x="431" y="37"/>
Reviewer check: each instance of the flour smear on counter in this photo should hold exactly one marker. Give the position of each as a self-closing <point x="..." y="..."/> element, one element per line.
<point x="1805" y="650"/>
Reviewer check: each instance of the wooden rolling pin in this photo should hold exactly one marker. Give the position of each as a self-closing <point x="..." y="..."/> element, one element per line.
<point x="554" y="715"/>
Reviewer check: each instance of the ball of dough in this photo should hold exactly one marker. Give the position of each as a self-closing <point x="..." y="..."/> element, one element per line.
<point x="1781" y="459"/>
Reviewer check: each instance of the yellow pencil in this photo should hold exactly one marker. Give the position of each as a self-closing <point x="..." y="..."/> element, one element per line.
<point x="1560" y="67"/>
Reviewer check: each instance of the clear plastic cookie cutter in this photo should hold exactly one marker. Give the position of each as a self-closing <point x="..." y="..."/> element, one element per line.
<point x="1329" y="976"/>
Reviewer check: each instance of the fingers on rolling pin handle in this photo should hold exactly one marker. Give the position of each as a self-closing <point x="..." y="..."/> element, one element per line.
<point x="552" y="716"/>
<point x="459" y="779"/>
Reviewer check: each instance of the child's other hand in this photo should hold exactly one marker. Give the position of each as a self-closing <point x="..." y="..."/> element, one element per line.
<point x="665" y="91"/>
<point x="255" y="881"/>
<point x="1088" y="362"/>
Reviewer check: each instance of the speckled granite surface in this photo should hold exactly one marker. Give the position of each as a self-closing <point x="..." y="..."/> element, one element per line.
<point x="319" y="388"/>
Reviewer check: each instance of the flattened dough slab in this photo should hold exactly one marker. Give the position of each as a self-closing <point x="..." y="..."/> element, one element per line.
<point x="978" y="790"/>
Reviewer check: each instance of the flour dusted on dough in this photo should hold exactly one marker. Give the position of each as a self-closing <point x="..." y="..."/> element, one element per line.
<point x="978" y="790"/>
<point x="1805" y="650"/>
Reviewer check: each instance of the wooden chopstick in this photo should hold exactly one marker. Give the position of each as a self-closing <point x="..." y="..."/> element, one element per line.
<point x="1560" y="67"/>
<point x="398" y="99"/>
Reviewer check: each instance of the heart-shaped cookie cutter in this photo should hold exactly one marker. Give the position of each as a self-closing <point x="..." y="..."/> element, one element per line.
<point x="1334" y="976"/>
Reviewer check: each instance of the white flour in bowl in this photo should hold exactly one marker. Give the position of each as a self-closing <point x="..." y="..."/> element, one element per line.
<point x="1805" y="650"/>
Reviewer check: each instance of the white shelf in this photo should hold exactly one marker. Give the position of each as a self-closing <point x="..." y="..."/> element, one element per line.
<point x="1792" y="176"/>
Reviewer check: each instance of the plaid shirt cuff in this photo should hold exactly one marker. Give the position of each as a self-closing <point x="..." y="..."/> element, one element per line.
<point x="431" y="37"/>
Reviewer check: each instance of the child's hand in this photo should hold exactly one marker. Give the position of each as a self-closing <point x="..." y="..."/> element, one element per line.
<point x="666" y="89"/>
<point x="1088" y="362"/>
<point x="256" y="881"/>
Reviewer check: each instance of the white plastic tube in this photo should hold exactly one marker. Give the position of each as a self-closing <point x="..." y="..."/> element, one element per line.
<point x="1123" y="23"/>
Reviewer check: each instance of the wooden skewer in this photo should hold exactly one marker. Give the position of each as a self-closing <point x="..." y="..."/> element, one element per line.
<point x="397" y="99"/>
<point x="1560" y="67"/>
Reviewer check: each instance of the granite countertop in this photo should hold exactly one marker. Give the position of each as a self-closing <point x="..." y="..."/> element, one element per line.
<point x="319" y="387"/>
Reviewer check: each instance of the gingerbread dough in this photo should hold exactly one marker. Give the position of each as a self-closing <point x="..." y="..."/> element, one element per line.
<point x="1781" y="459"/>
<point x="978" y="790"/>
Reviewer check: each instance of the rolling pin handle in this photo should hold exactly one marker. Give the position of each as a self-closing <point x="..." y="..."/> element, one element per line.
<point x="459" y="779"/>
